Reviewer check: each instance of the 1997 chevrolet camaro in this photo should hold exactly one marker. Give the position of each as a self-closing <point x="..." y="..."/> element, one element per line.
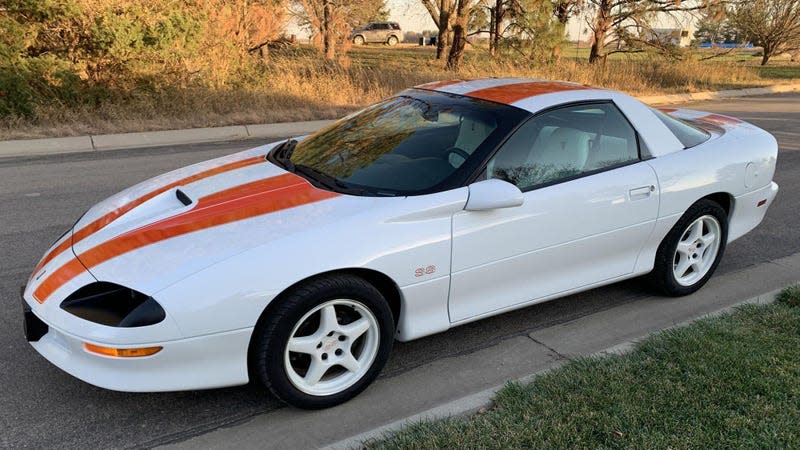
<point x="299" y="263"/>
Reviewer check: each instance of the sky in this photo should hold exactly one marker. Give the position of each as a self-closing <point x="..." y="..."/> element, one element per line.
<point x="410" y="14"/>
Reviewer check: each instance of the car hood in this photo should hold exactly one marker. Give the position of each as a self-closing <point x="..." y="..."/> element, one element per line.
<point x="164" y="229"/>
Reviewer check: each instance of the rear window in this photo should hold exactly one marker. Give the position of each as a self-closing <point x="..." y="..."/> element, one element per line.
<point x="689" y="135"/>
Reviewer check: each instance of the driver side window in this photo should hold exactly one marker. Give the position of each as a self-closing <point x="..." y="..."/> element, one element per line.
<point x="565" y="143"/>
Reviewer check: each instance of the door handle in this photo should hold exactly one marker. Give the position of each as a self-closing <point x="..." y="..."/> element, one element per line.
<point x="641" y="192"/>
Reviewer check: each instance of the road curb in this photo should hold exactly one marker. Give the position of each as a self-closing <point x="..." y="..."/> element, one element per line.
<point x="118" y="141"/>
<point x="478" y="401"/>
<point x="146" y="139"/>
<point x="718" y="95"/>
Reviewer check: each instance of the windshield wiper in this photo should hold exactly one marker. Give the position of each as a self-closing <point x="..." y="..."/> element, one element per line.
<point x="320" y="177"/>
<point x="283" y="153"/>
<point x="333" y="183"/>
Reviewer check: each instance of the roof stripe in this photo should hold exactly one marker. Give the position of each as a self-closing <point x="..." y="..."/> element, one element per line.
<point x="238" y="203"/>
<point x="514" y="92"/>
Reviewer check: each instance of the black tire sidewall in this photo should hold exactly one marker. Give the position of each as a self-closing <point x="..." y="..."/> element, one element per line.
<point x="663" y="274"/>
<point x="271" y="336"/>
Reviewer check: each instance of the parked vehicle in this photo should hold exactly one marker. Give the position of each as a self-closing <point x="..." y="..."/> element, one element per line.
<point x="377" y="32"/>
<point x="299" y="263"/>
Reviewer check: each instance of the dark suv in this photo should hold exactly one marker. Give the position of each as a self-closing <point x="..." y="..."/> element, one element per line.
<point x="383" y="32"/>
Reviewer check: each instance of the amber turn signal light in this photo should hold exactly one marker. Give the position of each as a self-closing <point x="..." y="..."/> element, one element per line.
<point x="121" y="352"/>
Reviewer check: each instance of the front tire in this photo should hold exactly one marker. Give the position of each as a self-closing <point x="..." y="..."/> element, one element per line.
<point x="325" y="342"/>
<point x="358" y="40"/>
<point x="392" y="41"/>
<point x="692" y="250"/>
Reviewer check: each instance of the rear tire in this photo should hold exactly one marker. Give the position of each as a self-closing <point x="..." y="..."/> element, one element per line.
<point x="324" y="343"/>
<point x="692" y="250"/>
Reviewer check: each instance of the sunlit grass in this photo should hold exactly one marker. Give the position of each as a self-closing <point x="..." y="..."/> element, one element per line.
<point x="296" y="85"/>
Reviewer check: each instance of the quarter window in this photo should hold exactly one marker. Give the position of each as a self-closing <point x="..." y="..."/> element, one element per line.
<point x="565" y="143"/>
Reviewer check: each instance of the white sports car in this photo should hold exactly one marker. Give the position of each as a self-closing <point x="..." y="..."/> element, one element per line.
<point x="299" y="263"/>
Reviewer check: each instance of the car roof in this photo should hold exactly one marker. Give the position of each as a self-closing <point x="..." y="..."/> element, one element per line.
<point x="535" y="95"/>
<point x="507" y="91"/>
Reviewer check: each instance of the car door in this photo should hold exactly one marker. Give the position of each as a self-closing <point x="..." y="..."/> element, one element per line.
<point x="590" y="203"/>
<point x="371" y="33"/>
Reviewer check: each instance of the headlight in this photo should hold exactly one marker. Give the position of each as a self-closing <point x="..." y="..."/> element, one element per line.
<point x="113" y="305"/>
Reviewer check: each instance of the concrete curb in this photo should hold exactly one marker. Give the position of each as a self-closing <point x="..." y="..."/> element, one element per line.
<point x="717" y="95"/>
<point x="478" y="401"/>
<point x="103" y="142"/>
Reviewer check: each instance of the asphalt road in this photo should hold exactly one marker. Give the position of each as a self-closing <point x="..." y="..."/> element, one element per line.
<point x="41" y="406"/>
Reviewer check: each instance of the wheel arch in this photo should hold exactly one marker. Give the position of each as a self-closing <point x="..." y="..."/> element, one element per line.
<point x="723" y="199"/>
<point x="382" y="282"/>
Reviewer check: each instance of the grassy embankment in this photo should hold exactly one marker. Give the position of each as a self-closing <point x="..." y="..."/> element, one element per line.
<point x="726" y="382"/>
<point x="295" y="85"/>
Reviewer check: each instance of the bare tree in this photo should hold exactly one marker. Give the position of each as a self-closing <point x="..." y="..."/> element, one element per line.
<point x="564" y="9"/>
<point x="441" y="11"/>
<point x="774" y="25"/>
<point x="330" y="21"/>
<point x="463" y="12"/>
<point x="618" y="16"/>
<point x="502" y="15"/>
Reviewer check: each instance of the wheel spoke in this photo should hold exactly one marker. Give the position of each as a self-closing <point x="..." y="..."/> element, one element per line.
<point x="305" y="344"/>
<point x="315" y="372"/>
<point x="683" y="266"/>
<point x="708" y="238"/>
<point x="355" y="329"/>
<point x="705" y="252"/>
<point x="683" y="248"/>
<point x="327" y="319"/>
<point x="350" y="363"/>
<point x="696" y="231"/>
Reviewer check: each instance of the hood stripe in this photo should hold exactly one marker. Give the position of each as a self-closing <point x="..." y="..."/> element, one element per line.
<point x="111" y="216"/>
<point x="514" y="92"/>
<point x="231" y="205"/>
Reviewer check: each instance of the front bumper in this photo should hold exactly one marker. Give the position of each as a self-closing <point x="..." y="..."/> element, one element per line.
<point x="203" y="362"/>
<point x="33" y="327"/>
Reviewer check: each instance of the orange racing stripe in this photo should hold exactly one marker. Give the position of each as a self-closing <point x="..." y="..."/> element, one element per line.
<point x="109" y="217"/>
<point x="514" y="92"/>
<point x="231" y="205"/>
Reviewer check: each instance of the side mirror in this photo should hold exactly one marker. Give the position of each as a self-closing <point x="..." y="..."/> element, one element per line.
<point x="493" y="194"/>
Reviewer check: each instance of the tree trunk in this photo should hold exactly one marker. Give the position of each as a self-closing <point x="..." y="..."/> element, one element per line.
<point x="497" y="19"/>
<point x="328" y="38"/>
<point x="602" y="24"/>
<point x="765" y="55"/>
<point x="597" y="54"/>
<point x="457" y="48"/>
<point x="492" y="15"/>
<point x="444" y="27"/>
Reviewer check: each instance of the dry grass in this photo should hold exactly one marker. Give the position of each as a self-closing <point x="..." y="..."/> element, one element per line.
<point x="295" y="85"/>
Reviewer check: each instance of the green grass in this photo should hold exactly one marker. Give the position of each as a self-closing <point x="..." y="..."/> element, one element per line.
<point x="787" y="72"/>
<point x="726" y="382"/>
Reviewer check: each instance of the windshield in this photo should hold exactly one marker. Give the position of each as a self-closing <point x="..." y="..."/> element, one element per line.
<point x="417" y="142"/>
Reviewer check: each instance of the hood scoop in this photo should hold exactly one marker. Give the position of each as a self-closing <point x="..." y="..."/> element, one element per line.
<point x="161" y="206"/>
<point x="182" y="197"/>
